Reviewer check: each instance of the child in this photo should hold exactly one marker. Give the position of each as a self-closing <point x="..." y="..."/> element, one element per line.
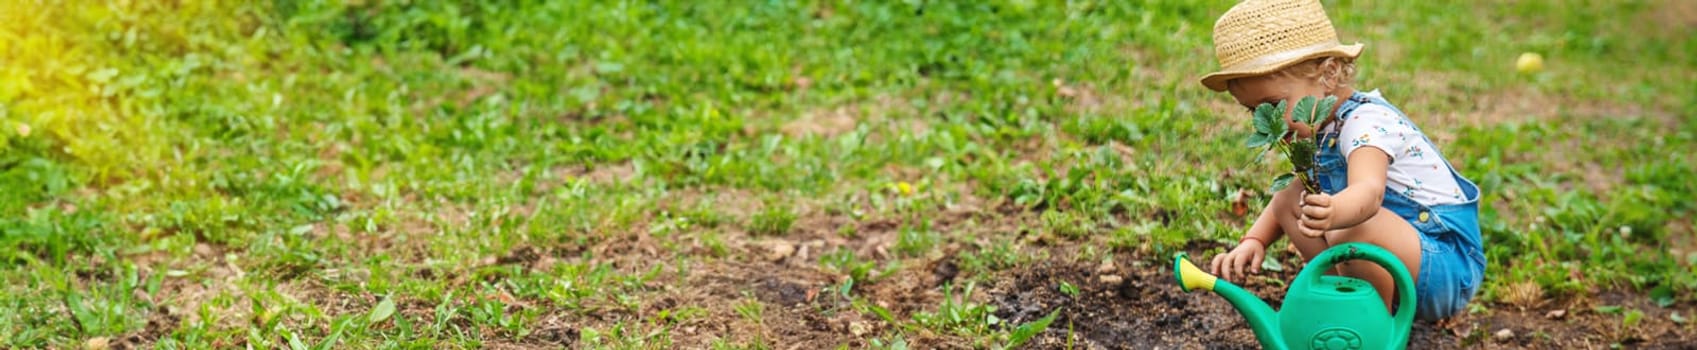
<point x="1384" y="182"/>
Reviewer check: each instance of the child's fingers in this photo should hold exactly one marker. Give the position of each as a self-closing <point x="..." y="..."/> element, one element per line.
<point x="1309" y="223"/>
<point x="1214" y="267"/>
<point x="1310" y="228"/>
<point x="1317" y="212"/>
<point x="1317" y="200"/>
<point x="1255" y="261"/>
<point x="1239" y="265"/>
<point x="1226" y="268"/>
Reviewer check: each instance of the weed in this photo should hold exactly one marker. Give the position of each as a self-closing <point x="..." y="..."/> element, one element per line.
<point x="752" y="310"/>
<point x="1066" y="224"/>
<point x="844" y="262"/>
<point x="997" y="256"/>
<point x="1524" y="294"/>
<point x="1068" y="289"/>
<point x="957" y="314"/>
<point x="1024" y="332"/>
<point x="916" y="240"/>
<point x="896" y="342"/>
<point x="774" y="220"/>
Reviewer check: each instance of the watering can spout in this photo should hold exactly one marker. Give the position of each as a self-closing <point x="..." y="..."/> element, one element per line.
<point x="1261" y="317"/>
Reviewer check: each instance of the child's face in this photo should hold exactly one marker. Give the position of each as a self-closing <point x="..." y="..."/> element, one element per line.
<point x="1272" y="88"/>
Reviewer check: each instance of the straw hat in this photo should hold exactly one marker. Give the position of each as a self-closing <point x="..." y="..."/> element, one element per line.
<point x="1257" y="37"/>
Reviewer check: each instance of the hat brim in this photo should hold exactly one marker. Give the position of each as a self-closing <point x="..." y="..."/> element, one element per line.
<point x="1217" y="80"/>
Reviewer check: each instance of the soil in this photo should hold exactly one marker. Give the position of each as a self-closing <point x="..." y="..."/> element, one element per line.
<point x="772" y="290"/>
<point x="1142" y="308"/>
<point x="1146" y="309"/>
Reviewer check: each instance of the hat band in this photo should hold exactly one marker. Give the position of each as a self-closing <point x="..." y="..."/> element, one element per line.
<point x="1282" y="56"/>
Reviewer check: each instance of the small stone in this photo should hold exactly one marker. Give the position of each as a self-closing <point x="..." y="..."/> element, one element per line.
<point x="1505" y="335"/>
<point x="1556" y="314"/>
<point x="778" y="250"/>
<point x="801" y="253"/>
<point x="100" y="343"/>
<point x="1111" y="279"/>
<point x="203" y="249"/>
<point x="1106" y="267"/>
<point x="858" y="328"/>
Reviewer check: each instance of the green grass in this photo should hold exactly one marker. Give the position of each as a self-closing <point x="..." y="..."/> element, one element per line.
<point x="274" y="173"/>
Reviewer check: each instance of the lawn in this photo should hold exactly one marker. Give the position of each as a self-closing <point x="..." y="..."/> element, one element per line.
<point x="783" y="174"/>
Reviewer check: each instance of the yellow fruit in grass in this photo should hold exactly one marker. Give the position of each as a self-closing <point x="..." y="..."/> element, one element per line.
<point x="1529" y="63"/>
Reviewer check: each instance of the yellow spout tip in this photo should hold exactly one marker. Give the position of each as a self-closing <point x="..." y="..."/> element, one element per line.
<point x="1191" y="277"/>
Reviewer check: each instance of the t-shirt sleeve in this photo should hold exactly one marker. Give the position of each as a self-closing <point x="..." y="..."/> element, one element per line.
<point x="1378" y="127"/>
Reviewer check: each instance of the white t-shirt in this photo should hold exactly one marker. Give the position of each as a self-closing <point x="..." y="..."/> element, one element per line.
<point x="1416" y="170"/>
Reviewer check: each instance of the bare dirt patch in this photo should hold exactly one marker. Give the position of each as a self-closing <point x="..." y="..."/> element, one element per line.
<point x="1671" y="17"/>
<point x="823" y="123"/>
<point x="601" y="174"/>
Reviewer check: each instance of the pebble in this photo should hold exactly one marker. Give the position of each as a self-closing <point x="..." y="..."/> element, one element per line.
<point x="778" y="250"/>
<point x="100" y="343"/>
<point x="1556" y="314"/>
<point x="1111" y="279"/>
<point x="1505" y="335"/>
<point x="859" y="328"/>
<point x="1107" y="267"/>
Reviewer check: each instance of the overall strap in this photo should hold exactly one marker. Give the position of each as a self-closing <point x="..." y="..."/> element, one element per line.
<point x="1354" y="101"/>
<point x="1348" y="107"/>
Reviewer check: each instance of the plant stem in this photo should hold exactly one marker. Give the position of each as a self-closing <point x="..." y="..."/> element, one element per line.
<point x="1308" y="184"/>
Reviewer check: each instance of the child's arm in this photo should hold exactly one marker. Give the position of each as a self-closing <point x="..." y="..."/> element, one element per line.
<point x="1357" y="202"/>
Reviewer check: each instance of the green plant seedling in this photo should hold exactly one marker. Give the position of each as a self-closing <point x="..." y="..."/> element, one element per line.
<point x="1271" y="134"/>
<point x="1069" y="289"/>
<point x="1025" y="332"/>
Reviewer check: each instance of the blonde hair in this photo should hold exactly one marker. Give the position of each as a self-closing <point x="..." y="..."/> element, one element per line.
<point x="1331" y="72"/>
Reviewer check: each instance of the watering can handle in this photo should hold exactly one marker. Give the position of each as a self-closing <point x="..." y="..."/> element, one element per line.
<point x="1362" y="251"/>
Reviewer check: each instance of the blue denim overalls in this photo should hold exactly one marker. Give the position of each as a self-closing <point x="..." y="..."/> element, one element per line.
<point x="1452" y="259"/>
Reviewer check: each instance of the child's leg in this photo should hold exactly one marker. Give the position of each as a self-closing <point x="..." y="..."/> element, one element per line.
<point x="1385" y="229"/>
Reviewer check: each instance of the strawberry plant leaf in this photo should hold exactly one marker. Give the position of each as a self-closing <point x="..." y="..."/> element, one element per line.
<point x="1280" y="182"/>
<point x="1277" y="123"/>
<point x="1325" y="109"/>
<point x="1258" y="140"/>
<point x="1264" y="118"/>
<point x="1304" y="112"/>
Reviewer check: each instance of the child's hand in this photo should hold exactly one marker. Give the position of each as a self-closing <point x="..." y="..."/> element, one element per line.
<point x="1316" y="214"/>
<point x="1231" y="266"/>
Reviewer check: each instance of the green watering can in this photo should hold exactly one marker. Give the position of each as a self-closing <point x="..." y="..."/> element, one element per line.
<point x="1320" y="311"/>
